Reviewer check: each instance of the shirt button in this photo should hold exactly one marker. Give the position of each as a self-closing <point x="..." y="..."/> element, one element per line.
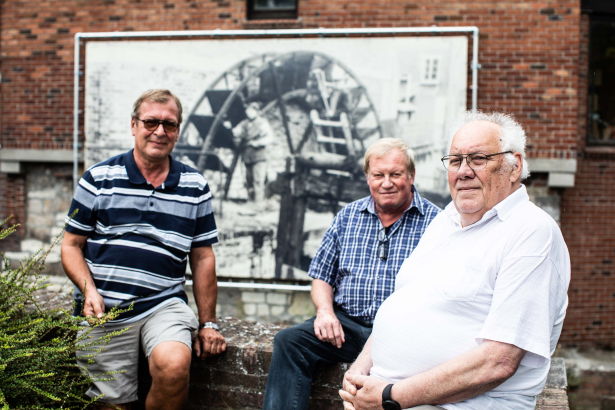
<point x="151" y="204"/>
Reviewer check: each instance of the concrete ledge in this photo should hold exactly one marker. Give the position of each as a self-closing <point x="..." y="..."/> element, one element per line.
<point x="236" y="379"/>
<point x="552" y="165"/>
<point x="11" y="159"/>
<point x="561" y="171"/>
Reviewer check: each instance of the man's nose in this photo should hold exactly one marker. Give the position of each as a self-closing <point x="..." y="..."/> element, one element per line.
<point x="160" y="129"/>
<point x="465" y="170"/>
<point x="387" y="182"/>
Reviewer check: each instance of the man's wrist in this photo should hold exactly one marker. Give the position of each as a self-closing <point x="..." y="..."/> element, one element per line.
<point x="387" y="402"/>
<point x="209" y="325"/>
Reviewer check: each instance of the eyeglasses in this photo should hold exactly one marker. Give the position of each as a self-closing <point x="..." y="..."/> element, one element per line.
<point x="383" y="245"/>
<point x="151" y="125"/>
<point x="477" y="161"/>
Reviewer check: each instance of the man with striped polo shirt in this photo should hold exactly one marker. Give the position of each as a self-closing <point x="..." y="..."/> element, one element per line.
<point x="140" y="215"/>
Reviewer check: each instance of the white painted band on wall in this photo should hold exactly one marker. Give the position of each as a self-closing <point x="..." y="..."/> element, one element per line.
<point x="269" y="286"/>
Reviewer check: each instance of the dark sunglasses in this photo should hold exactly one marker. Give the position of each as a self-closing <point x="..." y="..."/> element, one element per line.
<point x="383" y="244"/>
<point x="151" y="125"/>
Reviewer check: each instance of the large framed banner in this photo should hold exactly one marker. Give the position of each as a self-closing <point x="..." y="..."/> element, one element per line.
<point x="279" y="127"/>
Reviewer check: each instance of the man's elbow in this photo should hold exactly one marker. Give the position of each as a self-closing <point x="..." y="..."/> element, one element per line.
<point x="504" y="360"/>
<point x="504" y="370"/>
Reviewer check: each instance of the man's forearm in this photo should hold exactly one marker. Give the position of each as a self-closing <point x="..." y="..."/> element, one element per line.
<point x="469" y="375"/>
<point x="74" y="263"/>
<point x="205" y="286"/>
<point x="364" y="361"/>
<point x="322" y="296"/>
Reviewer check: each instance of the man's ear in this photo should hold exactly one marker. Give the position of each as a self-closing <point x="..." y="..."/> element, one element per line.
<point x="133" y="126"/>
<point x="517" y="167"/>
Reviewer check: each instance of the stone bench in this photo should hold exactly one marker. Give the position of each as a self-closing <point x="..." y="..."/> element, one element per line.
<point x="236" y="379"/>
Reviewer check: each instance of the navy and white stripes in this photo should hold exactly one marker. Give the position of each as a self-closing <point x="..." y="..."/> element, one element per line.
<point x="139" y="237"/>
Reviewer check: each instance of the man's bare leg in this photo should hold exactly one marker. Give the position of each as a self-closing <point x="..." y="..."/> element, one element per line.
<point x="169" y="366"/>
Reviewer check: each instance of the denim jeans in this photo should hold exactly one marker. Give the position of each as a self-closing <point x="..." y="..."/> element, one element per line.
<point x="297" y="351"/>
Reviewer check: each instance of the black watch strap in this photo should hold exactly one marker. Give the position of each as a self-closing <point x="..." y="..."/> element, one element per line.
<point x="387" y="402"/>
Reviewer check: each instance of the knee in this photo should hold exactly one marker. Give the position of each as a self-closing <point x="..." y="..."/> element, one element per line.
<point x="283" y="338"/>
<point x="170" y="372"/>
<point x="288" y="339"/>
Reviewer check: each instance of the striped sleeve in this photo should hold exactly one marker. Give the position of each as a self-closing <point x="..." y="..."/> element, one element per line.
<point x="206" y="232"/>
<point x="83" y="207"/>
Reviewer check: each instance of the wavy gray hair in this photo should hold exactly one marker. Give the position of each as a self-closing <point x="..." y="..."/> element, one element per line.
<point x="385" y="145"/>
<point x="512" y="135"/>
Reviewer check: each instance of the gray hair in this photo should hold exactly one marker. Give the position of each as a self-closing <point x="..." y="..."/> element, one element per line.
<point x="385" y="145"/>
<point x="158" y="96"/>
<point x="512" y="135"/>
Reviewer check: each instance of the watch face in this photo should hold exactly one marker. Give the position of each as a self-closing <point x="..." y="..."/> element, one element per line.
<point x="390" y="405"/>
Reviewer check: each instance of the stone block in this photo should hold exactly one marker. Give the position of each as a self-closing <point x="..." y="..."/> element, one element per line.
<point x="35" y="206"/>
<point x="53" y="258"/>
<point x="42" y="194"/>
<point x="40" y="233"/>
<point x="16" y="256"/>
<point x="55" y="231"/>
<point x="63" y="204"/>
<point x="31" y="245"/>
<point x="302" y="305"/>
<point x="249" y="309"/>
<point x="41" y="220"/>
<point x="277" y="310"/>
<point x="253" y="297"/>
<point x="277" y="298"/>
<point x="49" y="205"/>
<point x="60" y="218"/>
<point x="263" y="310"/>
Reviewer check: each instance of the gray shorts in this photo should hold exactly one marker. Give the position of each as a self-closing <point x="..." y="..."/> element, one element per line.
<point x="174" y="322"/>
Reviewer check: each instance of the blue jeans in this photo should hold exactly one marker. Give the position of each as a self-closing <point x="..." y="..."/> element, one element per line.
<point x="297" y="351"/>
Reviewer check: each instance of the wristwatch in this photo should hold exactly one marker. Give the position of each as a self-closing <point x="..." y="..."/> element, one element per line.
<point x="387" y="402"/>
<point x="208" y="325"/>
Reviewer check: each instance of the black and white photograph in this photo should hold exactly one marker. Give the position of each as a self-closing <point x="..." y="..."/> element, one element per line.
<point x="279" y="127"/>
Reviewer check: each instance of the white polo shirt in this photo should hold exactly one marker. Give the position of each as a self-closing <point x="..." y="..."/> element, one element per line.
<point x="504" y="278"/>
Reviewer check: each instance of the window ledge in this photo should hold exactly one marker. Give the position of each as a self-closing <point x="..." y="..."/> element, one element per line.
<point x="599" y="152"/>
<point x="273" y="24"/>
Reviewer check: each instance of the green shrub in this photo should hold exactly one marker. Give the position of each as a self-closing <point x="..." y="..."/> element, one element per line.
<point x="38" y="344"/>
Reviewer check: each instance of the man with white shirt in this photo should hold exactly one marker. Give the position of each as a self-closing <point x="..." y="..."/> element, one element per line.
<point x="479" y="305"/>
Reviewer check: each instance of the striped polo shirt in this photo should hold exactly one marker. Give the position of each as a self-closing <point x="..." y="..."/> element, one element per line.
<point x="139" y="236"/>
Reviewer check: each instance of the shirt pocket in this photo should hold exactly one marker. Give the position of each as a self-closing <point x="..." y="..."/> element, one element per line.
<point x="461" y="281"/>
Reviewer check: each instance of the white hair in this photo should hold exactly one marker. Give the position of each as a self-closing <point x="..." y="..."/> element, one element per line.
<point x="512" y="135"/>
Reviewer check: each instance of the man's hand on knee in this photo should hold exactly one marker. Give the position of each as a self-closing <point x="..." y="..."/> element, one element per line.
<point x="209" y="342"/>
<point x="328" y="328"/>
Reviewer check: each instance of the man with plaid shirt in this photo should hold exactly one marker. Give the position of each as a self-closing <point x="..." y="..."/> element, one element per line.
<point x="354" y="272"/>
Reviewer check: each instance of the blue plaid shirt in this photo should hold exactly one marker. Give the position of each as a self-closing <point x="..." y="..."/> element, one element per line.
<point x="348" y="259"/>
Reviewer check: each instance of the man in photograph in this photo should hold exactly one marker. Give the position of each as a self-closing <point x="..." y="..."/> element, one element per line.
<point x="478" y="307"/>
<point x="140" y="217"/>
<point x="354" y="271"/>
<point x="252" y="137"/>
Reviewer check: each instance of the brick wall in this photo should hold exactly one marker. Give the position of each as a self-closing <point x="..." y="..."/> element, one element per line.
<point x="528" y="50"/>
<point x="534" y="65"/>
<point x="589" y="228"/>
<point x="12" y="203"/>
